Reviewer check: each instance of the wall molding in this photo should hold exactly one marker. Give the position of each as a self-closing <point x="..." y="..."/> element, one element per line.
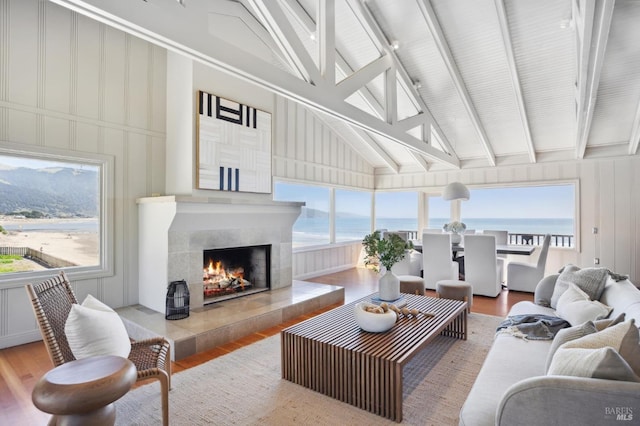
<point x="79" y="119"/>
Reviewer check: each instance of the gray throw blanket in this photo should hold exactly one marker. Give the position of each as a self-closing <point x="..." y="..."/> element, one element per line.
<point x="532" y="326"/>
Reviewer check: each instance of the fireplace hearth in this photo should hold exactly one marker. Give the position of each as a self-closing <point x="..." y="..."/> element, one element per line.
<point x="234" y="272"/>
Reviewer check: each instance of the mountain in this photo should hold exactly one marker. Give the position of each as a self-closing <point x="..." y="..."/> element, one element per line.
<point x="55" y="192"/>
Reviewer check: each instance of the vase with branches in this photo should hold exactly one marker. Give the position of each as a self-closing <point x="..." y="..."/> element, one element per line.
<point x="387" y="252"/>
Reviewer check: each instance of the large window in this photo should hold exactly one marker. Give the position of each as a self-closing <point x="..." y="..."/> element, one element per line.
<point x="353" y="214"/>
<point x="312" y="227"/>
<point x="525" y="210"/>
<point x="397" y="211"/>
<point x="52" y="213"/>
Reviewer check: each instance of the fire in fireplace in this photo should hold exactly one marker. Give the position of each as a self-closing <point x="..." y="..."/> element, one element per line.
<point x="234" y="272"/>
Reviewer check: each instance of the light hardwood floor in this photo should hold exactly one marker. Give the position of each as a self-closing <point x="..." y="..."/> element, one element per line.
<point x="21" y="366"/>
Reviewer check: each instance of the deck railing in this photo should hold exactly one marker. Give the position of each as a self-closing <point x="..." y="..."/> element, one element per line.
<point x="557" y="240"/>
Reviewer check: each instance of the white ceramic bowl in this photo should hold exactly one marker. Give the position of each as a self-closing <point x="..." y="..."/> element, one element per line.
<point x="375" y="323"/>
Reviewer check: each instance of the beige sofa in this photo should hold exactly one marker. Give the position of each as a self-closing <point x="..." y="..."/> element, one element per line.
<point x="513" y="388"/>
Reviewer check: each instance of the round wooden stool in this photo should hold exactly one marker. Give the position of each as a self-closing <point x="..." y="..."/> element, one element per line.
<point x="82" y="392"/>
<point x="456" y="290"/>
<point x="411" y="284"/>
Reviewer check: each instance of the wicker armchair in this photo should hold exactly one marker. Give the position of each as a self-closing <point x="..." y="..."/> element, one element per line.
<point x="52" y="300"/>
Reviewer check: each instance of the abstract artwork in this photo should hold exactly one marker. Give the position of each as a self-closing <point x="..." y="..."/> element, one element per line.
<point x="233" y="146"/>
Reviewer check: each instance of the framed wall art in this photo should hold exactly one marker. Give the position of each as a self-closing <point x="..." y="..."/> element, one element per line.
<point x="233" y="146"/>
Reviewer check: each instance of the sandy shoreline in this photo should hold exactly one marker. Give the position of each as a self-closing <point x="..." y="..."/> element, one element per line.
<point x="79" y="247"/>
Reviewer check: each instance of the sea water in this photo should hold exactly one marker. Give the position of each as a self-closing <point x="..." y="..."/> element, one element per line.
<point x="316" y="230"/>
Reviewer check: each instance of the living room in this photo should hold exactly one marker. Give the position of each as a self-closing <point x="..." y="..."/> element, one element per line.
<point x="72" y="85"/>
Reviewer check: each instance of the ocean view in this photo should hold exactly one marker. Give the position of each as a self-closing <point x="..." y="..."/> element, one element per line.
<point x="316" y="230"/>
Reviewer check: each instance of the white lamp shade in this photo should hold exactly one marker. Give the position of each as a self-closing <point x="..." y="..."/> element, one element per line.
<point x="455" y="191"/>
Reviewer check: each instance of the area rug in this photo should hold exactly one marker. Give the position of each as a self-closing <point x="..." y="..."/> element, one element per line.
<point x="245" y="388"/>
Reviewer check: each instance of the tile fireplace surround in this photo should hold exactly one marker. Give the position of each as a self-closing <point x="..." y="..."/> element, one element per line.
<point x="174" y="231"/>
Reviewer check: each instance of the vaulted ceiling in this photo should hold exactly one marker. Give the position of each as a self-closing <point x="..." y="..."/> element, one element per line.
<point x="425" y="84"/>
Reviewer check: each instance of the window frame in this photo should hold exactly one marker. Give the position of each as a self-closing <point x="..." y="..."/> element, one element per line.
<point x="105" y="164"/>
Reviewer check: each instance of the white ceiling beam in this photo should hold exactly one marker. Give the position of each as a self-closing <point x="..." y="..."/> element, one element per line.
<point x="391" y="96"/>
<point x="166" y="28"/>
<point x="593" y="48"/>
<point x="364" y="75"/>
<point x="515" y="78"/>
<point x="276" y="22"/>
<point x="327" y="40"/>
<point x="438" y="36"/>
<point x="372" y="27"/>
<point x="420" y="160"/>
<point x="635" y="133"/>
<point x="306" y="21"/>
<point x="412" y="122"/>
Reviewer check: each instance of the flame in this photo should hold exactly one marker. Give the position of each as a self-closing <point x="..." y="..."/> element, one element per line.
<point x="216" y="269"/>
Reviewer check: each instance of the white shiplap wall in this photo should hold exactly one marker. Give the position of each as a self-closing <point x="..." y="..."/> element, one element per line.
<point x="71" y="83"/>
<point x="305" y="149"/>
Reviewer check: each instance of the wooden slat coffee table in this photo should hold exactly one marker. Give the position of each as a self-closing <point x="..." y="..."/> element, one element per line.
<point x="330" y="354"/>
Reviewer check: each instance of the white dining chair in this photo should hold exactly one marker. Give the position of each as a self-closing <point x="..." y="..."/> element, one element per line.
<point x="410" y="264"/>
<point x="482" y="267"/>
<point x="502" y="239"/>
<point x="501" y="236"/>
<point x="525" y="276"/>
<point x="437" y="263"/>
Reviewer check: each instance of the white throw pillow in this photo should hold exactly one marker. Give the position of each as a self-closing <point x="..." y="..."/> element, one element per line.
<point x="589" y="280"/>
<point x="93" y="329"/>
<point x="601" y="363"/>
<point x="575" y="306"/>
<point x="623" y="337"/>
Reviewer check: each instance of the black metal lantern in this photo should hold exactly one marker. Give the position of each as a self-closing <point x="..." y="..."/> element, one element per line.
<point x="177" y="300"/>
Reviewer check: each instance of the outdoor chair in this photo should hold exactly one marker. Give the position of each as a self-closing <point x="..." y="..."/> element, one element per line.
<point x="52" y="300"/>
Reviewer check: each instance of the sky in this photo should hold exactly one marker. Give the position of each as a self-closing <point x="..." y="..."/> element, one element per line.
<point x="550" y="201"/>
<point x="30" y="163"/>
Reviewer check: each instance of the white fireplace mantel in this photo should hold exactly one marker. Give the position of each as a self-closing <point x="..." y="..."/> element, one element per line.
<point x="174" y="231"/>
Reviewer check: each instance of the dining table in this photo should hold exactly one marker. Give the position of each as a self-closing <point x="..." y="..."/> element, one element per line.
<point x="525" y="250"/>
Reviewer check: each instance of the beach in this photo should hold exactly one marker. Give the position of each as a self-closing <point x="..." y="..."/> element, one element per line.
<point x="62" y="238"/>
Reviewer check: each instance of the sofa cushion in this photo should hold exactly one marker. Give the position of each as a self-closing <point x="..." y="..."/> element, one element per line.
<point x="622" y="296"/>
<point x="575" y="307"/>
<point x="623" y="337"/>
<point x="93" y="329"/>
<point x="589" y="280"/>
<point x="609" y="322"/>
<point x="509" y="361"/>
<point x="601" y="363"/>
<point x="568" y="334"/>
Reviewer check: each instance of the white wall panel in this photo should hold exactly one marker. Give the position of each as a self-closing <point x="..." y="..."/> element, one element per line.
<point x="23" y="64"/>
<point x="56" y="132"/>
<point x="64" y="87"/>
<point x="90" y="42"/>
<point x="21" y="126"/>
<point x="113" y="70"/>
<point x="138" y="68"/>
<point x="307" y="150"/>
<point x="57" y="58"/>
